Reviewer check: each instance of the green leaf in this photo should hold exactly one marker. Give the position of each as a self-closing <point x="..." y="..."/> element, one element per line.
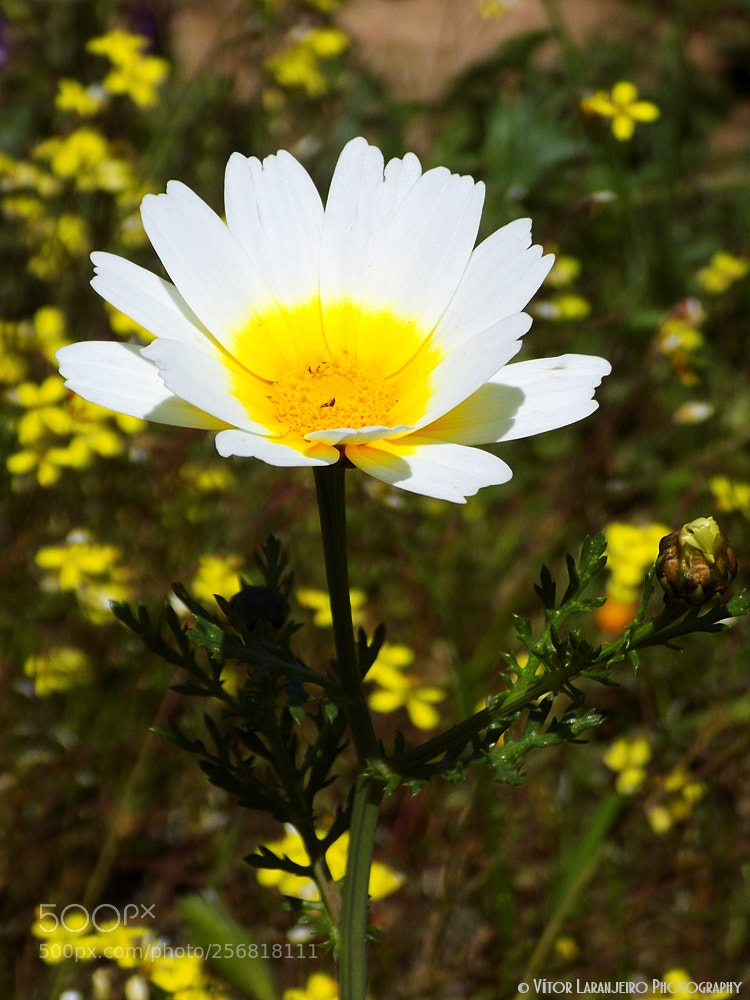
<point x="207" y="635"/>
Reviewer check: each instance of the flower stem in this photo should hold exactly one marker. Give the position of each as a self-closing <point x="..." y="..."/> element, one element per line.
<point x="330" y="488"/>
<point x="329" y="485"/>
<point x="368" y="795"/>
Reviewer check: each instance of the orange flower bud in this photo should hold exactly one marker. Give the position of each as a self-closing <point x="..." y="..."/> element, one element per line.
<point x="696" y="563"/>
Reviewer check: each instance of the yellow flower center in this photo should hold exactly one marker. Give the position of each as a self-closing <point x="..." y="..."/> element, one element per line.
<point x="331" y="394"/>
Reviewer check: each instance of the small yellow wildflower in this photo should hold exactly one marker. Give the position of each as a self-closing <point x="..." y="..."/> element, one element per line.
<point x="133" y="73"/>
<point x="494" y="8"/>
<point x="566" y="948"/>
<point x="94" y="572"/>
<point x="678" y="794"/>
<point x="179" y="976"/>
<point x="564" y="271"/>
<point x="383" y="881"/>
<point x="60" y="669"/>
<point x="12" y="365"/>
<point x="85" y="157"/>
<point x="84" y="101"/>
<point x="397" y="689"/>
<point x="680" y="340"/>
<point x="216" y="575"/>
<point x="73" y="234"/>
<point x="319" y="602"/>
<point x="318" y="987"/>
<point x="297" y="65"/>
<point x="208" y="478"/>
<point x="628" y="757"/>
<point x="50" y="328"/>
<point x="722" y="272"/>
<point x="563" y="308"/>
<point x="730" y="495"/>
<point x="622" y="106"/>
<point x="630" y="552"/>
<point x="43" y="410"/>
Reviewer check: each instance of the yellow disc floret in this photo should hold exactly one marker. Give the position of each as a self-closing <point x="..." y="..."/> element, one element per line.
<point x="327" y="394"/>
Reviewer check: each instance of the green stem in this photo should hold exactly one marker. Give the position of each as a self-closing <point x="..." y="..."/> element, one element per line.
<point x="329" y="485"/>
<point x="330" y="488"/>
<point x="368" y="795"/>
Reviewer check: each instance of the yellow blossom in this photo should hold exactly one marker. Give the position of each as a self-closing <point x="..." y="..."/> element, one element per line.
<point x="179" y="976"/>
<point x="563" y="308"/>
<point x="631" y="549"/>
<point x="622" y="106"/>
<point x="680" y="340"/>
<point x="318" y="987"/>
<point x="397" y="689"/>
<point x="91" y="570"/>
<point x="44" y="413"/>
<point x="85" y="157"/>
<point x="73" y="233"/>
<point x="319" y="601"/>
<point x="494" y="8"/>
<point x="216" y="575"/>
<point x="564" y="271"/>
<point x="297" y="65"/>
<point x="677" y="794"/>
<point x="566" y="948"/>
<point x="84" y="101"/>
<point x="730" y="495"/>
<point x="59" y="669"/>
<point x="628" y="757"/>
<point x="50" y="329"/>
<point x="208" y="478"/>
<point x="133" y="73"/>
<point x="722" y="272"/>
<point x="383" y="881"/>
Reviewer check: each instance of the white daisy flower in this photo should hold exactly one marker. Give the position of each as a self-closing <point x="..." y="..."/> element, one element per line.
<point x="372" y="328"/>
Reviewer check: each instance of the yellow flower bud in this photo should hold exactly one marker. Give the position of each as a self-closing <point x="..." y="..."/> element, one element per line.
<point x="695" y="562"/>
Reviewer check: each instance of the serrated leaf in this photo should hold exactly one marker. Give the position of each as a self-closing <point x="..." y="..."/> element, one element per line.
<point x="298" y="713"/>
<point x="523" y="628"/>
<point x="206" y="635"/>
<point x="546" y="589"/>
<point x="738" y="605"/>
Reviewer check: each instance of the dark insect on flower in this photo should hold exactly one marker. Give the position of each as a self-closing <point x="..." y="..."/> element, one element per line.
<point x="696" y="562"/>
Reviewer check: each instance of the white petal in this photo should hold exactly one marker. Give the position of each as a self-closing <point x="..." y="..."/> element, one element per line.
<point x="425" y="249"/>
<point x="275" y="212"/>
<point x="353" y="435"/>
<point x="498" y="282"/>
<point x="119" y="377"/>
<point x="209" y="267"/>
<point x="523" y="399"/>
<point x="233" y="442"/>
<point x="443" y="471"/>
<point x="362" y="200"/>
<point x="147" y="299"/>
<point x="467" y="368"/>
<point x="202" y="380"/>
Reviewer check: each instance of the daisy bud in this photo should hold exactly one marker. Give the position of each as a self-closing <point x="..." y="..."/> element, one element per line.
<point x="696" y="563"/>
<point x="255" y="604"/>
